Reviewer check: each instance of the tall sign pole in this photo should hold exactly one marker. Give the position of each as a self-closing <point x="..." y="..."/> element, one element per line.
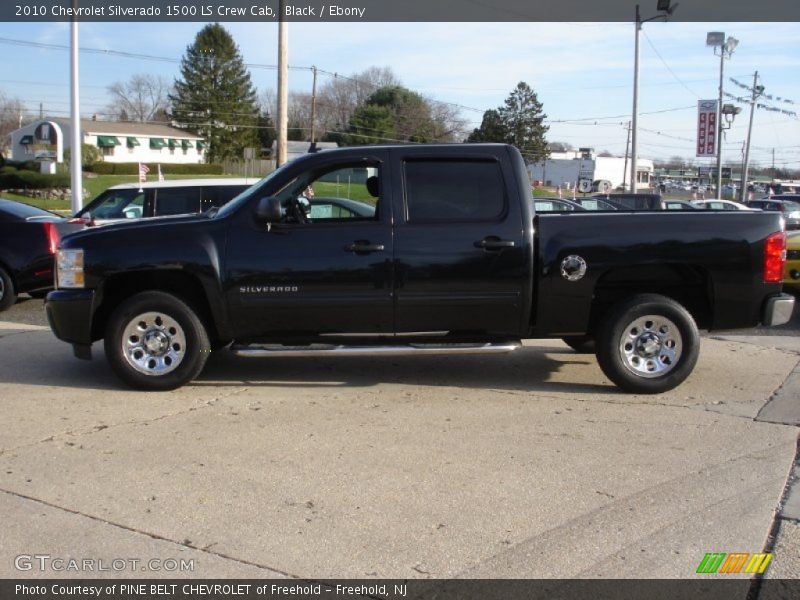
<point x="76" y="175"/>
<point x="283" y="84"/>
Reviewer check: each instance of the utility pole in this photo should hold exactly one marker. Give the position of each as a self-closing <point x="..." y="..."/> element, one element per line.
<point x="627" y="145"/>
<point x="635" y="116"/>
<point x="314" y="105"/>
<point x="76" y="174"/>
<point x="757" y="91"/>
<point x="283" y="85"/>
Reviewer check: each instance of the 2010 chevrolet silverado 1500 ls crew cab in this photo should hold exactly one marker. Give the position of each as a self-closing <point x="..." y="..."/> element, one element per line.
<point x="414" y="249"/>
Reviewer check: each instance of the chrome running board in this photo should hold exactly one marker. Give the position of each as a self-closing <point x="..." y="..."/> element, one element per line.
<point x="277" y="350"/>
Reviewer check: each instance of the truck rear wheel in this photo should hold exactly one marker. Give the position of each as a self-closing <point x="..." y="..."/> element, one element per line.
<point x="648" y="345"/>
<point x="155" y="341"/>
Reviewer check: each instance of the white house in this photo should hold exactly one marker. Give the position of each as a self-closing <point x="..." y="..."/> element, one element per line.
<point x="47" y="139"/>
<point x="567" y="169"/>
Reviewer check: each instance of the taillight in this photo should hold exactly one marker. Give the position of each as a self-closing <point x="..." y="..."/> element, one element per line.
<point x="53" y="237"/>
<point x="774" y="257"/>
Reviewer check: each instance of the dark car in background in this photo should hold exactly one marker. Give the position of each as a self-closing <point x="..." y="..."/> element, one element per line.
<point x="595" y="203"/>
<point x="29" y="237"/>
<point x="788" y="204"/>
<point x="631" y="201"/>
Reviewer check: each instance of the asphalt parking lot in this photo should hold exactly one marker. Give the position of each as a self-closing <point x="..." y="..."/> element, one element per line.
<point x="528" y="465"/>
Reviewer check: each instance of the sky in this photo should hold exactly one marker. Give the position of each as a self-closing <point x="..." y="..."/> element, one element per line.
<point x="582" y="72"/>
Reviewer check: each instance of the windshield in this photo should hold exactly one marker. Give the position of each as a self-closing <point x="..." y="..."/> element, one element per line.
<point x="127" y="203"/>
<point x="246" y="195"/>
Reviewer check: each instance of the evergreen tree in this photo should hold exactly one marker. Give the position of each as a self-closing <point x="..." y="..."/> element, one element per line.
<point x="214" y="97"/>
<point x="392" y="113"/>
<point x="492" y="129"/>
<point x="523" y="120"/>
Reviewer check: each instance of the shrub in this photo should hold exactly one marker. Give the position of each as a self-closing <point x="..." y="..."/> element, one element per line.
<point x="33" y="180"/>
<point x="89" y="155"/>
<point x="108" y="168"/>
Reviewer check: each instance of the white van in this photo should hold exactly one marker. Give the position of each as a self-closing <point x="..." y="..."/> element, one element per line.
<point x="161" y="198"/>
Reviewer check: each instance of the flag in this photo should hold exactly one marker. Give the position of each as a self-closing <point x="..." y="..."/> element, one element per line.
<point x="143" y="171"/>
<point x="160" y="175"/>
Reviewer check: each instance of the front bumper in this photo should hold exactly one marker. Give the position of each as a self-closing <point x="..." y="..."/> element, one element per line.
<point x="778" y="310"/>
<point x="69" y="313"/>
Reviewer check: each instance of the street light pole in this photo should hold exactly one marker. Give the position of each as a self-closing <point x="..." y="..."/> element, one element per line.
<point x="726" y="48"/>
<point x="635" y="116"/>
<point x="663" y="6"/>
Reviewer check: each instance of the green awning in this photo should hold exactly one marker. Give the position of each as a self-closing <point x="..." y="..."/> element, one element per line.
<point x="107" y="141"/>
<point x="173" y="143"/>
<point x="26" y="140"/>
<point x="186" y="144"/>
<point x="132" y="141"/>
<point x="200" y="144"/>
<point x="157" y="143"/>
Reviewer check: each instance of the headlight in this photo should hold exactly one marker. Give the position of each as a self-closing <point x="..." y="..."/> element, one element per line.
<point x="69" y="269"/>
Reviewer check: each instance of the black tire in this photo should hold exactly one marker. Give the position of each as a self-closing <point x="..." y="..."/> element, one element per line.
<point x="648" y="345"/>
<point x="582" y="344"/>
<point x="155" y="341"/>
<point x="7" y="294"/>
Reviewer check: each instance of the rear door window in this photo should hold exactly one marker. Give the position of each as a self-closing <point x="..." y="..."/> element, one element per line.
<point x="454" y="190"/>
<point x="219" y="195"/>
<point x="177" y="201"/>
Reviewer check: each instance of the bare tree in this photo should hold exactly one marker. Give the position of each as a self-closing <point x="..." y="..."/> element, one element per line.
<point x="450" y="124"/>
<point x="12" y="116"/>
<point x="141" y="98"/>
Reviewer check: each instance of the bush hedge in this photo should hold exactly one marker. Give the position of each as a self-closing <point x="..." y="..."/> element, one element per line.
<point x="32" y="180"/>
<point x="107" y="168"/>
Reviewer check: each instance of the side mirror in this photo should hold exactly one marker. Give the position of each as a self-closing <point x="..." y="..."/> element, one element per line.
<point x="269" y="210"/>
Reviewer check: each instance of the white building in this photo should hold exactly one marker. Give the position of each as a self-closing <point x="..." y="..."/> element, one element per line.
<point x="567" y="169"/>
<point x="47" y="139"/>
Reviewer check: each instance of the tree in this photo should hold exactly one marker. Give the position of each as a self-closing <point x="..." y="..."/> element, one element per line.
<point x="142" y="98"/>
<point x="12" y="116"/>
<point x="392" y="113"/>
<point x="215" y="97"/>
<point x="560" y="147"/>
<point x="523" y="120"/>
<point x="491" y="129"/>
<point x="90" y="154"/>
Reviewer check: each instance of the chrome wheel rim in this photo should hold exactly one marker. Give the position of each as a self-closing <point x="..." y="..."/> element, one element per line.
<point x="651" y="346"/>
<point x="153" y="343"/>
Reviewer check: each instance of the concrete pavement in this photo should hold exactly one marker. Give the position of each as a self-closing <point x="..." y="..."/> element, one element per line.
<point x="529" y="465"/>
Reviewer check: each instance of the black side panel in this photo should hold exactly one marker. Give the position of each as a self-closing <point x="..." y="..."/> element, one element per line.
<point x="720" y="252"/>
<point x="462" y="258"/>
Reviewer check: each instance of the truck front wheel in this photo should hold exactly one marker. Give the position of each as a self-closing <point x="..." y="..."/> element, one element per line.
<point x="648" y="345"/>
<point x="155" y="341"/>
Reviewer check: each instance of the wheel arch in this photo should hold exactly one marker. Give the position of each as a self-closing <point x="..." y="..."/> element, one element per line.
<point x="186" y="286"/>
<point x="691" y="286"/>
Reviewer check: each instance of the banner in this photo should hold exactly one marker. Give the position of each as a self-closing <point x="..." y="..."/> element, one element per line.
<point x="706" y="128"/>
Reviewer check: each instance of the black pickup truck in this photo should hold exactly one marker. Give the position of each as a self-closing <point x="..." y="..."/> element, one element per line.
<point x="414" y="250"/>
